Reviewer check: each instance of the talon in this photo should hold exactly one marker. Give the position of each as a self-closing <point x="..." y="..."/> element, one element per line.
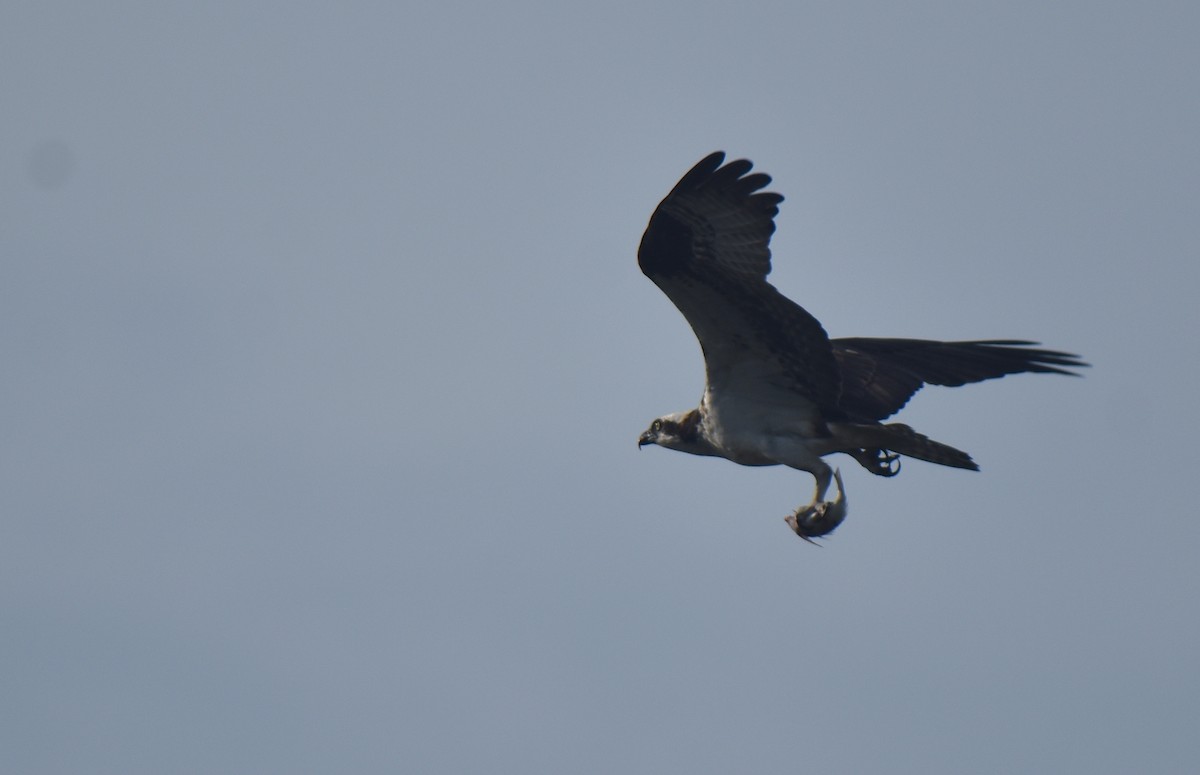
<point x="819" y="519"/>
<point x="880" y="462"/>
<point x="804" y="521"/>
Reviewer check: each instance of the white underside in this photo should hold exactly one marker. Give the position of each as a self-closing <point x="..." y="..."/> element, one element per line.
<point x="762" y="433"/>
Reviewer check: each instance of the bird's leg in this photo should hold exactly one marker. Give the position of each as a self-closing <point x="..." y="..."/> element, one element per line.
<point x="821" y="517"/>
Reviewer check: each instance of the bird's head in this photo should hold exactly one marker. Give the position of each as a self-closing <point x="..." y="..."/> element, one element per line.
<point x="673" y="431"/>
<point x="658" y="430"/>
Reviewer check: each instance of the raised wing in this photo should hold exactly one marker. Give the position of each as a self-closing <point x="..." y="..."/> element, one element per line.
<point x="707" y="248"/>
<point x="880" y="375"/>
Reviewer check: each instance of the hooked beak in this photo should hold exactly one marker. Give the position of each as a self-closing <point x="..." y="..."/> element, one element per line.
<point x="646" y="438"/>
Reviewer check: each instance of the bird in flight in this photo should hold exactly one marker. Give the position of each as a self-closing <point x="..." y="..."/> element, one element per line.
<point x="779" y="391"/>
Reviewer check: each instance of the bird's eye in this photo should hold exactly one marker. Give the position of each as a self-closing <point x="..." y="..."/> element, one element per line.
<point x="656" y="426"/>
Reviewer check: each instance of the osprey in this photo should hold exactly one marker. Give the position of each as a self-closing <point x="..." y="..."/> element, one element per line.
<point x="779" y="391"/>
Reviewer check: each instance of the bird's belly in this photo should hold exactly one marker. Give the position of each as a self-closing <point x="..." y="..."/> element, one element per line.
<point x="761" y="434"/>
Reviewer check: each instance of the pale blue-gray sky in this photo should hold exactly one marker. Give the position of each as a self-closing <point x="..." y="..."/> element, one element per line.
<point x="326" y="353"/>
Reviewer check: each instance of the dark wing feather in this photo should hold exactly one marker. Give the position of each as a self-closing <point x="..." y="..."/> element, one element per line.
<point x="880" y="375"/>
<point x="707" y="248"/>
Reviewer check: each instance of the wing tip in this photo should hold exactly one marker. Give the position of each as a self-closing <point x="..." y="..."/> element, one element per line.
<point x="701" y="171"/>
<point x="734" y="172"/>
<point x="716" y="205"/>
<point x="1045" y="361"/>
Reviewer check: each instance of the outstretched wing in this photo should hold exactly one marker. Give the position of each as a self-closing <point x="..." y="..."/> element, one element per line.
<point x="707" y="248"/>
<point x="880" y="375"/>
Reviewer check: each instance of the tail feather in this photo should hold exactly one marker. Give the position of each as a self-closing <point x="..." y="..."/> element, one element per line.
<point x="902" y="439"/>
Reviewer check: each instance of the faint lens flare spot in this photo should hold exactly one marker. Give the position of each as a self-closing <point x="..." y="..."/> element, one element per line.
<point x="51" y="164"/>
